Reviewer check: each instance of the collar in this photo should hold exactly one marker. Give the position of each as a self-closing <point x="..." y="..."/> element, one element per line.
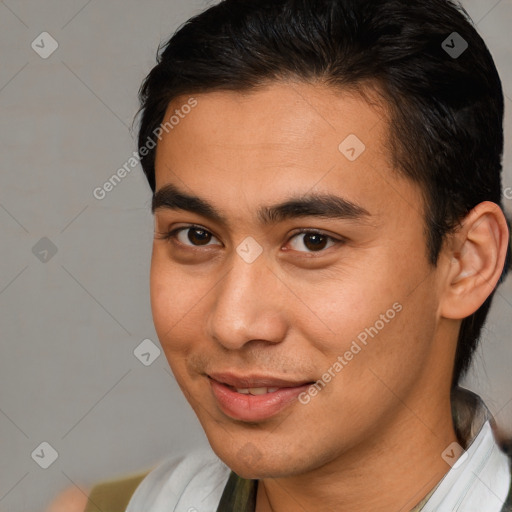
<point x="480" y="479"/>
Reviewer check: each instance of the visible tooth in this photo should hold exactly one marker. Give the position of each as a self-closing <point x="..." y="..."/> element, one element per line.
<point x="258" y="391"/>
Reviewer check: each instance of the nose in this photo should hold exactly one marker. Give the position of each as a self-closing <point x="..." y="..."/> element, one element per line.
<point x="247" y="305"/>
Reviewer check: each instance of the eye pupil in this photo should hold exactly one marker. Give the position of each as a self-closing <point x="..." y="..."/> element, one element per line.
<point x="315" y="241"/>
<point x="199" y="236"/>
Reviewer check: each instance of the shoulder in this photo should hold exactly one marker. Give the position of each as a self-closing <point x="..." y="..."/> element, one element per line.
<point x="505" y="445"/>
<point x="114" y="495"/>
<point x="193" y="481"/>
<point x="504" y="441"/>
<point x="190" y="481"/>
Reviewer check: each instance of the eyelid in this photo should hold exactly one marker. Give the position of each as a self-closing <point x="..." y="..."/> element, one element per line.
<point x="171" y="235"/>
<point x="316" y="231"/>
<point x="334" y="240"/>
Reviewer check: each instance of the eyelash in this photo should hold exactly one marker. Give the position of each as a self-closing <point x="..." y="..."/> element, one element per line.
<point x="171" y="236"/>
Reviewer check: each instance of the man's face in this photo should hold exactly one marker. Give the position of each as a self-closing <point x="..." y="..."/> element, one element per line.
<point x="247" y="299"/>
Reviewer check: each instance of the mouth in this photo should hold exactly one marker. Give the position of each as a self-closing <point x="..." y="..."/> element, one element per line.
<point x="254" y="398"/>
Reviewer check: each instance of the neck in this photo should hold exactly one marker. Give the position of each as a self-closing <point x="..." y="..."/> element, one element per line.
<point x="393" y="472"/>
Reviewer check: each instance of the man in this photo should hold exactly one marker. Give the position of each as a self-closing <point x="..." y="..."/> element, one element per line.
<point x="328" y="239"/>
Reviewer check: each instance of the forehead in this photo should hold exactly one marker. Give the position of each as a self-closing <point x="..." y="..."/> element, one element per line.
<point x="280" y="116"/>
<point x="284" y="138"/>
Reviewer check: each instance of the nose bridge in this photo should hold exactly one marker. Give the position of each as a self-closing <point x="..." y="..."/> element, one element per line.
<point x="245" y="305"/>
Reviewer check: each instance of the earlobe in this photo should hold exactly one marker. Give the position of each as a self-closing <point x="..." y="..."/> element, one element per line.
<point x="477" y="255"/>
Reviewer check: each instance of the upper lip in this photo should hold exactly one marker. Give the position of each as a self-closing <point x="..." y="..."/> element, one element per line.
<point x="255" y="381"/>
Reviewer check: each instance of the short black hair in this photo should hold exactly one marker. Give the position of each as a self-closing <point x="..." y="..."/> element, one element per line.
<point x="444" y="99"/>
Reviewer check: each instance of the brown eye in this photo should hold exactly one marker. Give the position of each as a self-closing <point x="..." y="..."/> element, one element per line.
<point x="315" y="242"/>
<point x="311" y="241"/>
<point x="195" y="236"/>
<point x="199" y="236"/>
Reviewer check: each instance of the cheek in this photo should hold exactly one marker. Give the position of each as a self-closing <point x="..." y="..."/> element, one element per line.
<point x="174" y="297"/>
<point x="335" y="310"/>
<point x="379" y="312"/>
<point x="388" y="342"/>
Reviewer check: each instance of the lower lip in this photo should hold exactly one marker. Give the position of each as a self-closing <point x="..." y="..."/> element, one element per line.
<point x="254" y="407"/>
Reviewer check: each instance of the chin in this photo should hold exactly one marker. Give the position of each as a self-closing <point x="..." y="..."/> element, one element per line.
<point x="253" y="462"/>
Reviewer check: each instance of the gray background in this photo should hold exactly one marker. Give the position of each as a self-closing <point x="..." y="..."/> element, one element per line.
<point x="69" y="326"/>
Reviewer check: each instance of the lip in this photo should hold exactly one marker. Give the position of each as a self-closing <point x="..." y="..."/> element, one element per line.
<point x="256" y="381"/>
<point x="254" y="408"/>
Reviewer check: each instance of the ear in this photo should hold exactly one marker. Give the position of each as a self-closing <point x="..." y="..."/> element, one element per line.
<point x="476" y="258"/>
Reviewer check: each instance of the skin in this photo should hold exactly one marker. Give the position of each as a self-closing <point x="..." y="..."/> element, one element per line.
<point x="372" y="439"/>
<point x="71" y="500"/>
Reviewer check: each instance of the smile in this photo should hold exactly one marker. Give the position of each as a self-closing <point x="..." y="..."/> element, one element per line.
<point x="254" y="398"/>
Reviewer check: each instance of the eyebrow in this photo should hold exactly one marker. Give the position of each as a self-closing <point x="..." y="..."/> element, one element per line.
<point x="309" y="205"/>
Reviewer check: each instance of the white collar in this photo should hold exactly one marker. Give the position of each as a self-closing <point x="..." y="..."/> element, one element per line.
<point x="480" y="479"/>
